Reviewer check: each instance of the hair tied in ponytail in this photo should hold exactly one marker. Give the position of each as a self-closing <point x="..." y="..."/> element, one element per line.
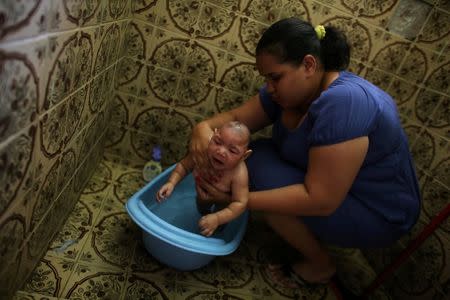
<point x="320" y="32"/>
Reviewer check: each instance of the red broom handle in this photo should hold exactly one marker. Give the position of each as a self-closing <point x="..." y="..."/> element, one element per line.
<point x="426" y="232"/>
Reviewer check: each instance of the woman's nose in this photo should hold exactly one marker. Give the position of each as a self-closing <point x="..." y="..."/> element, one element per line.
<point x="270" y="87"/>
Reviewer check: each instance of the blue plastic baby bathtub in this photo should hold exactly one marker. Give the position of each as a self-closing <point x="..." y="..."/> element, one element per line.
<point x="170" y="229"/>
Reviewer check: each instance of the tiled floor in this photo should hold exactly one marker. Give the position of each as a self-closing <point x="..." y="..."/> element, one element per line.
<point x="99" y="255"/>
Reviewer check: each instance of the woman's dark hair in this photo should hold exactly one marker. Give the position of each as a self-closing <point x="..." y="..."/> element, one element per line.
<point x="291" y="39"/>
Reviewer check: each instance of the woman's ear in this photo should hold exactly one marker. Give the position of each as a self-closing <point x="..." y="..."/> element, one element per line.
<point x="310" y="62"/>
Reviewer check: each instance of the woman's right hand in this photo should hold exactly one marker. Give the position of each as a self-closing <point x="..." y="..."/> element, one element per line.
<point x="201" y="135"/>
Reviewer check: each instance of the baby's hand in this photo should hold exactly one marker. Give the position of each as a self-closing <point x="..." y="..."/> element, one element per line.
<point x="208" y="224"/>
<point x="164" y="192"/>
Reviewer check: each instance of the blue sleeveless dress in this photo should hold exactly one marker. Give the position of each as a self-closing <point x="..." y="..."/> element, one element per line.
<point x="384" y="201"/>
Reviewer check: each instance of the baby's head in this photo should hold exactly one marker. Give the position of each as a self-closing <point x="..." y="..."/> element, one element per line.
<point x="229" y="145"/>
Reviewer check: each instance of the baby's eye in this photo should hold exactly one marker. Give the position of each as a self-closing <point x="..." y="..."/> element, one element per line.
<point x="234" y="151"/>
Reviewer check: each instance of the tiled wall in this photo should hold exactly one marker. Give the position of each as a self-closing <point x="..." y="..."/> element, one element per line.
<point x="57" y="64"/>
<point x="188" y="59"/>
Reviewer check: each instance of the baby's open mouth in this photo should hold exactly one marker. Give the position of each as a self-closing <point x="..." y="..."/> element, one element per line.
<point x="217" y="161"/>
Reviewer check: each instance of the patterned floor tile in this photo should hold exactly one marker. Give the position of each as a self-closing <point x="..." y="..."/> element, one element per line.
<point x="50" y="277"/>
<point x="99" y="254"/>
<point x="89" y="281"/>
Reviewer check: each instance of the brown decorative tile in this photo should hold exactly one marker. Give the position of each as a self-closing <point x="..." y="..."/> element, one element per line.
<point x="435" y="33"/>
<point x="402" y="90"/>
<point x="409" y="18"/>
<point x="438" y="78"/>
<point x="418" y="276"/>
<point x="434" y="198"/>
<point x="378" y="77"/>
<point x="415" y="66"/>
<point x="142" y="285"/>
<point x="148" y="11"/>
<point x="66" y="74"/>
<point x="131" y="77"/>
<point x="116" y="10"/>
<point x="21" y="66"/>
<point x="89" y="279"/>
<point x="49" y="277"/>
<point x="249" y="33"/>
<point x="439" y="120"/>
<point x="111" y="242"/>
<point x="373" y="11"/>
<point x="17" y="157"/>
<point x="22" y="20"/>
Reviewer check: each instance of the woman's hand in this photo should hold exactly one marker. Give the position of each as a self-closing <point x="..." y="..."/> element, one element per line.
<point x="208" y="193"/>
<point x="201" y="135"/>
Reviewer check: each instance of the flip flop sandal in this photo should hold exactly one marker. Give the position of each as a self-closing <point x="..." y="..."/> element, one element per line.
<point x="289" y="273"/>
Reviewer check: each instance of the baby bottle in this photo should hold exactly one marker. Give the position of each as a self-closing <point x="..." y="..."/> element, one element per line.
<point x="153" y="167"/>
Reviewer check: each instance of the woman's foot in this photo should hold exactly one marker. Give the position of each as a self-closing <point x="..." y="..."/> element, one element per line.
<point x="303" y="273"/>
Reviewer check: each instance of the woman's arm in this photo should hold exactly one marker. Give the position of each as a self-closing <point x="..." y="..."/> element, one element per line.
<point x="331" y="172"/>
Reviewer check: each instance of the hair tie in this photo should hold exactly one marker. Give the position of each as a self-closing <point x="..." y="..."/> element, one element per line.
<point x="320" y="32"/>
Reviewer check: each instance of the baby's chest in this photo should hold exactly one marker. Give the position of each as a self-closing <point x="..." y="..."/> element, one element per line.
<point x="221" y="182"/>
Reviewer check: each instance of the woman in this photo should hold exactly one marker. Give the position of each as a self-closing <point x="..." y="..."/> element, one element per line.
<point x="337" y="169"/>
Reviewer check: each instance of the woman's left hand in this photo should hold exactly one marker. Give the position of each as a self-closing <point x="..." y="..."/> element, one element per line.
<point x="208" y="193"/>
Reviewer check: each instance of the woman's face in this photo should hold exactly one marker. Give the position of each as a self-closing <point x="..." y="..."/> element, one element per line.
<point x="289" y="85"/>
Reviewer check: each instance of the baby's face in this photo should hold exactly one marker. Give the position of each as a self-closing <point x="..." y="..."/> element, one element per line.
<point x="226" y="148"/>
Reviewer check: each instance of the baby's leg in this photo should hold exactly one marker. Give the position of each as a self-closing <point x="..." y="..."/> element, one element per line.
<point x="204" y="208"/>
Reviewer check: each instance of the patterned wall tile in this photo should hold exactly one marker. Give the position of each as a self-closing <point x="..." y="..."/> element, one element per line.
<point x="426" y="269"/>
<point x="402" y="90"/>
<point x="107" y="42"/>
<point x="63" y="49"/>
<point x="21" y="65"/>
<point x="439" y="120"/>
<point x="116" y="10"/>
<point x="147" y="10"/>
<point x="389" y="54"/>
<point x="64" y="15"/>
<point x="131" y="75"/>
<point x="17" y="157"/>
<point x="419" y="106"/>
<point x="416" y="65"/>
<point x="376" y="12"/>
<point x="430" y="150"/>
<point x="434" y="198"/>
<point x="119" y="146"/>
<point x="409" y="18"/>
<point x="12" y="236"/>
<point x="249" y="33"/>
<point x="338" y="4"/>
<point x="411" y="129"/>
<point x="17" y="17"/>
<point x="438" y="77"/>
<point x="435" y="34"/>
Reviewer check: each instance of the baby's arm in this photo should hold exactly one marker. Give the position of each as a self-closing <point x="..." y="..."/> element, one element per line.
<point x="239" y="194"/>
<point x="181" y="170"/>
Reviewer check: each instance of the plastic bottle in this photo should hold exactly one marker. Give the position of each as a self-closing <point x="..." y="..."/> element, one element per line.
<point x="153" y="167"/>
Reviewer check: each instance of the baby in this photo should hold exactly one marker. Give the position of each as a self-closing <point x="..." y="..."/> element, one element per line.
<point x="226" y="153"/>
